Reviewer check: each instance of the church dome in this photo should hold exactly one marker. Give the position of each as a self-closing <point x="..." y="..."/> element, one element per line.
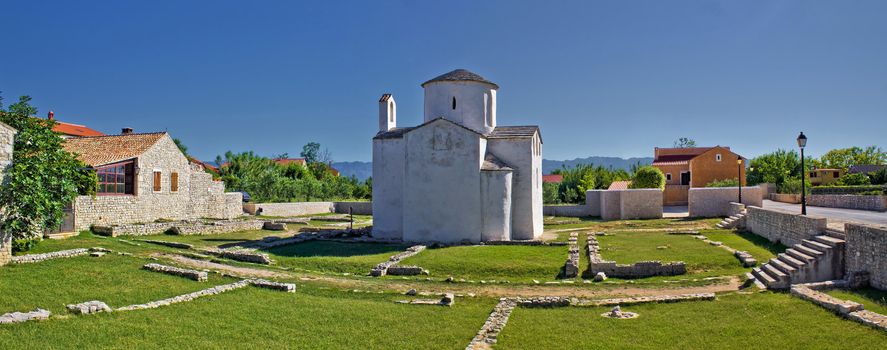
<point x="460" y="75"/>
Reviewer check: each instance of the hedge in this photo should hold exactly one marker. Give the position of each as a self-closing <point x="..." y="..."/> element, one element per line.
<point x="847" y="189"/>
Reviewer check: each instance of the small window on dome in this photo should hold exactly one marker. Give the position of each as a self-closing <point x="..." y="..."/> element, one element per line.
<point x="454" y="102"/>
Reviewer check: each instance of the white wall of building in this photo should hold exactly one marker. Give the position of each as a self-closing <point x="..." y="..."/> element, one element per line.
<point x="388" y="186"/>
<point x="526" y="201"/>
<point x="496" y="197"/>
<point x="475" y="104"/>
<point x="441" y="184"/>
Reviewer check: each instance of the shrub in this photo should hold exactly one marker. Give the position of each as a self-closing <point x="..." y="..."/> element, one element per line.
<point x="792" y="186"/>
<point x="24" y="244"/>
<point x="550" y="193"/>
<point x="724" y="183"/>
<point x="853" y="180"/>
<point x="879" y="177"/>
<point x="648" y="177"/>
<point x="861" y="190"/>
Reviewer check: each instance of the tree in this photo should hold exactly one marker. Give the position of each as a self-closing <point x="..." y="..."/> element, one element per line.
<point x="734" y="182"/>
<point x="43" y="178"/>
<point x="648" y="177"/>
<point x="857" y="179"/>
<point x="844" y="158"/>
<point x="310" y="152"/>
<point x="684" y="142"/>
<point x="181" y="146"/>
<point x="775" y="167"/>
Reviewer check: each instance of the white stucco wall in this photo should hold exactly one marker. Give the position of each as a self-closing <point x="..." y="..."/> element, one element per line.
<point x="388" y="185"/>
<point x="441" y="192"/>
<point x="475" y="103"/>
<point x="715" y="201"/>
<point x="526" y="190"/>
<point x="496" y="203"/>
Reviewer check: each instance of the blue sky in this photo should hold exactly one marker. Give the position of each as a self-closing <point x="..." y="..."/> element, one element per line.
<point x="611" y="78"/>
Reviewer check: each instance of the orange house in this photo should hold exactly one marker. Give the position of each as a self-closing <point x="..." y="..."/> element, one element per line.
<point x="695" y="167"/>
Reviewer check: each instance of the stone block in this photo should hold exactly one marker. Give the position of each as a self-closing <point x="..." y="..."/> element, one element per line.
<point x="89" y="307"/>
<point x="274" y="226"/>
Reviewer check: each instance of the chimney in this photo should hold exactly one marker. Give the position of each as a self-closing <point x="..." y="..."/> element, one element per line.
<point x="51" y="115"/>
<point x="126" y="131"/>
<point x="387" y="113"/>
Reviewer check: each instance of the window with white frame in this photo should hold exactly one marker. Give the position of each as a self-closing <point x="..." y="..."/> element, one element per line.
<point x="718" y="157"/>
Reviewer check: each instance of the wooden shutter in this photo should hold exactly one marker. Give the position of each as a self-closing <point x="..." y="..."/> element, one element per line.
<point x="174" y="182"/>
<point x="157" y="176"/>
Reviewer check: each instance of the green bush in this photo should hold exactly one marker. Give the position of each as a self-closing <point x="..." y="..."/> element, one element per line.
<point x="648" y="177"/>
<point x="724" y="183"/>
<point x="853" y="180"/>
<point x="878" y="177"/>
<point x="550" y="193"/>
<point x="792" y="186"/>
<point x="861" y="190"/>
<point x="24" y="244"/>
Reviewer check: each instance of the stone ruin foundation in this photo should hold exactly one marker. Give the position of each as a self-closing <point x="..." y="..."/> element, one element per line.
<point x="637" y="270"/>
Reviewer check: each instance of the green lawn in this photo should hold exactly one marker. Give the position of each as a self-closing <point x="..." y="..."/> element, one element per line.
<point x="596" y="224"/>
<point x="872" y="299"/>
<point x="758" y="321"/>
<point x="512" y="263"/>
<point x="702" y="259"/>
<point x="259" y="318"/>
<point x="759" y="247"/>
<point x="327" y="256"/>
<point x="116" y="280"/>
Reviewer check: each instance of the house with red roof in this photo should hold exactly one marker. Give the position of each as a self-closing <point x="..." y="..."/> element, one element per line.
<point x="695" y="167"/>
<point x="69" y="130"/>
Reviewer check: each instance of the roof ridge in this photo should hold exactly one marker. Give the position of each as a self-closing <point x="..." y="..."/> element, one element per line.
<point x="122" y="135"/>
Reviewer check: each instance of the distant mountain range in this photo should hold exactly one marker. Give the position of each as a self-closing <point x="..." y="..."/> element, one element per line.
<point x="363" y="170"/>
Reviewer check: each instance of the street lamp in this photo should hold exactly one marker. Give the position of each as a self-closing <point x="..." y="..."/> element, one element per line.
<point x="739" y="177"/>
<point x="802" y="142"/>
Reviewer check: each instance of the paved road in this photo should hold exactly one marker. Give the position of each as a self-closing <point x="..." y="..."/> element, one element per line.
<point x="835" y="215"/>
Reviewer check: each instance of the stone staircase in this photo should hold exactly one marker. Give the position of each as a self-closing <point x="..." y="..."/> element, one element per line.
<point x="813" y="260"/>
<point x="60" y="235"/>
<point x="734" y="221"/>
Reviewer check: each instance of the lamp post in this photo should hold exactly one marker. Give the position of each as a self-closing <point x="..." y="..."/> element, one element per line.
<point x="739" y="176"/>
<point x="802" y="142"/>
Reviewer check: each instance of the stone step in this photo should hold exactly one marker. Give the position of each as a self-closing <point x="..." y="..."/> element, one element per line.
<point x="816" y="245"/>
<point x="829" y="240"/>
<point x="60" y="235"/>
<point x="782" y="266"/>
<point x="807" y="250"/>
<point x="791" y="261"/>
<point x="762" y="276"/>
<point x="835" y="233"/>
<point x="799" y="255"/>
<point x="774" y="272"/>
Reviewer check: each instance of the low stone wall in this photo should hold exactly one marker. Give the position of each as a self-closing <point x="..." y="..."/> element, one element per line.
<point x="307" y="208"/>
<point x="735" y="209"/>
<point x="196" y="227"/>
<point x="493" y="325"/>
<point x="571" y="266"/>
<point x="358" y="208"/>
<point x="631" y="204"/>
<point x="187" y="297"/>
<point x="32" y="258"/>
<point x="709" y="202"/>
<point x="637" y="270"/>
<point x="382" y="268"/>
<point x="576" y="211"/>
<point x="244" y="255"/>
<point x="199" y="276"/>
<point x="767" y="189"/>
<point x="788" y="229"/>
<point x="18" y="317"/>
<point x="593" y="202"/>
<point x="848" y="201"/>
<point x="786" y="198"/>
<point x="867" y="252"/>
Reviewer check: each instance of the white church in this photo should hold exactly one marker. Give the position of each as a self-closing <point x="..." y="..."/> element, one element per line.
<point x="458" y="176"/>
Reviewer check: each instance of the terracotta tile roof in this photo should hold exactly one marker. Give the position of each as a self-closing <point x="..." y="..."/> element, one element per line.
<point x="553" y="178"/>
<point x="288" y="161"/>
<point x="74" y="130"/>
<point x="682" y="162"/>
<point x="675" y="158"/>
<point x="619" y="185"/>
<point x="100" y="150"/>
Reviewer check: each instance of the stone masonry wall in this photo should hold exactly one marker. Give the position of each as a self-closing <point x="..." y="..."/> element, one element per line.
<point x="7" y="137"/>
<point x="788" y="229"/>
<point x="198" y="196"/>
<point x="576" y="211"/>
<point x="641" y="204"/>
<point x="867" y="251"/>
<point x="307" y="208"/>
<point x="785" y="198"/>
<point x="5" y="249"/>
<point x="708" y="202"/>
<point x="876" y="203"/>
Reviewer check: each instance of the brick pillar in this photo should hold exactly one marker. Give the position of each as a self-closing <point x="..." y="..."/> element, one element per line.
<point x="5" y="248"/>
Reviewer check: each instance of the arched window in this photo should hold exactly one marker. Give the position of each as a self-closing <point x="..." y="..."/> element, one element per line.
<point x="390" y="111"/>
<point x="454" y="102"/>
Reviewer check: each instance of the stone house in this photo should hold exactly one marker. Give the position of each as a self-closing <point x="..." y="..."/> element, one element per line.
<point x="696" y="167"/>
<point x="7" y="137"/>
<point x="144" y="178"/>
<point x="458" y="176"/>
